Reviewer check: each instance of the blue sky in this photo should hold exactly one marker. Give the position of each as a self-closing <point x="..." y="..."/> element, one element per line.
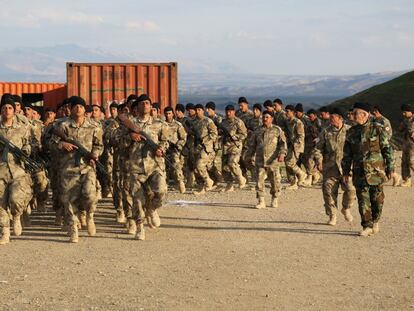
<point x="262" y="36"/>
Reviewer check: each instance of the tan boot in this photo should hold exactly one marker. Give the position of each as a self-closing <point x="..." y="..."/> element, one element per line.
<point x="229" y="188"/>
<point x="181" y="187"/>
<point x="200" y="192"/>
<point x="292" y="186"/>
<point x="5" y="237"/>
<point x="366" y="232"/>
<point x="91" y="225"/>
<point x="120" y="217"/>
<point x="82" y="219"/>
<point x="132" y="227"/>
<point x="275" y="203"/>
<point x="73" y="234"/>
<point x="242" y="182"/>
<point x="347" y="214"/>
<point x="406" y="183"/>
<point x="17" y="225"/>
<point x="155" y="219"/>
<point x="209" y="185"/>
<point x="140" y="235"/>
<point x="308" y="180"/>
<point x="315" y="178"/>
<point x="396" y="180"/>
<point x="332" y="220"/>
<point x="261" y="204"/>
<point x="302" y="179"/>
<point x="375" y="228"/>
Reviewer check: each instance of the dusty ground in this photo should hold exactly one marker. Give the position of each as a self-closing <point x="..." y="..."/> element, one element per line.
<point x="220" y="254"/>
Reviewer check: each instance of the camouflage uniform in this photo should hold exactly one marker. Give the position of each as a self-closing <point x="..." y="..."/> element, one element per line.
<point x="312" y="131"/>
<point x="188" y="152"/>
<point x="177" y="137"/>
<point x="107" y="157"/>
<point x="15" y="183"/>
<point x="329" y="152"/>
<point x="368" y="152"/>
<point x="216" y="171"/>
<point x="245" y="117"/>
<point x="407" y="161"/>
<point x="279" y="119"/>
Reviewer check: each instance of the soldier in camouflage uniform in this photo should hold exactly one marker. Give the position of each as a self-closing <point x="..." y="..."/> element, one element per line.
<point x="252" y="124"/>
<point x="146" y="166"/>
<point x="368" y="152"/>
<point x="324" y="117"/>
<point x="188" y="151"/>
<point x="268" y="106"/>
<point x="407" y="130"/>
<point x="245" y="115"/>
<point x="279" y="116"/>
<point x="215" y="171"/>
<point x="295" y="133"/>
<point x="15" y="183"/>
<point x="177" y="137"/>
<point x="233" y="133"/>
<point x="312" y="131"/>
<point x="268" y="145"/>
<point x="328" y="154"/>
<point x="78" y="173"/>
<point x="180" y="113"/>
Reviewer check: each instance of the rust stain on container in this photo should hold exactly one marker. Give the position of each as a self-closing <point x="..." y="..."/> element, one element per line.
<point x="99" y="83"/>
<point x="53" y="93"/>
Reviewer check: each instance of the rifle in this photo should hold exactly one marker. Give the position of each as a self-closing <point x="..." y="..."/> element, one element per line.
<point x="197" y="138"/>
<point x="225" y="132"/>
<point x="30" y="165"/>
<point x="81" y="151"/>
<point x="134" y="128"/>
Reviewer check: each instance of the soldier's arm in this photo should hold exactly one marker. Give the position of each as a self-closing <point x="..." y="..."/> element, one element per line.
<point x="300" y="133"/>
<point x="241" y="131"/>
<point x="386" y="151"/>
<point x="251" y="146"/>
<point x="163" y="138"/>
<point x="26" y="141"/>
<point x="97" y="142"/>
<point x="182" y="137"/>
<point x="317" y="151"/>
<point x="346" y="162"/>
<point x="212" y="131"/>
<point x="281" y="144"/>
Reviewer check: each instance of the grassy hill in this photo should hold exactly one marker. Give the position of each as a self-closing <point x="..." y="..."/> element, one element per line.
<point x="389" y="96"/>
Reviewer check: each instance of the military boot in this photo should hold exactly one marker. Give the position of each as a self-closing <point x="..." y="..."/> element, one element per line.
<point x="73" y="234"/>
<point x="155" y="219"/>
<point x="347" y="214"/>
<point x="229" y="188"/>
<point x="275" y="203"/>
<point x="209" y="184"/>
<point x="82" y="219"/>
<point x="140" y="235"/>
<point x="91" y="225"/>
<point x="132" y="226"/>
<point x="302" y="181"/>
<point x="200" y="192"/>
<point x="120" y="217"/>
<point x="375" y="228"/>
<point x="406" y="183"/>
<point x="315" y="178"/>
<point x="17" y="225"/>
<point x="308" y="180"/>
<point x="396" y="180"/>
<point x="261" y="204"/>
<point x="181" y="187"/>
<point x="242" y="182"/>
<point x="293" y="185"/>
<point x="366" y="232"/>
<point x="5" y="235"/>
<point x="332" y="220"/>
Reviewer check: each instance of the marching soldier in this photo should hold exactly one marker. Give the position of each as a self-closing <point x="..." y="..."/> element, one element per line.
<point x="312" y="131"/>
<point x="407" y="129"/>
<point x="279" y="117"/>
<point x="244" y="114"/>
<point x="215" y="170"/>
<point x="324" y="114"/>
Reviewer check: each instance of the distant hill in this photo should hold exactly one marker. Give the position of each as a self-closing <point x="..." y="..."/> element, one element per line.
<point x="389" y="96"/>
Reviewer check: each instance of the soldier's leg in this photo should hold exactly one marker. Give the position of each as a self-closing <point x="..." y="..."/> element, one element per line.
<point x="71" y="186"/>
<point x="330" y="186"/>
<point x="138" y="213"/>
<point x="364" y="204"/>
<point x="377" y="202"/>
<point x="216" y="172"/>
<point x="273" y="174"/>
<point x="4" y="214"/>
<point x="260" y="187"/>
<point x="156" y="183"/>
<point x="20" y="193"/>
<point x="292" y="167"/>
<point x="89" y="199"/>
<point x="234" y="167"/>
<point x="201" y="169"/>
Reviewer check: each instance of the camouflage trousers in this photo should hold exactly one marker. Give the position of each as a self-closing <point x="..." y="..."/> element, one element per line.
<point x="215" y="170"/>
<point x="370" y="201"/>
<point x="231" y="167"/>
<point x="330" y="189"/>
<point x="189" y="166"/>
<point x="308" y="161"/>
<point x="274" y="177"/>
<point x="105" y="180"/>
<point x="127" y="197"/>
<point x="79" y="193"/>
<point x="407" y="162"/>
<point x="203" y="164"/>
<point x="291" y="162"/>
<point x="15" y="194"/>
<point x="148" y="193"/>
<point x="117" y="189"/>
<point x="176" y="159"/>
<point x="246" y="166"/>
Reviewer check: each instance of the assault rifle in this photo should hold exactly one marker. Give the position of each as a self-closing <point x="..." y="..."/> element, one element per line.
<point x="197" y="139"/>
<point x="226" y="133"/>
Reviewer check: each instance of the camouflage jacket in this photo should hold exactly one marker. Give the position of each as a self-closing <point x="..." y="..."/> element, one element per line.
<point x="295" y="133"/>
<point x="368" y="151"/>
<point x="279" y="118"/>
<point x="329" y="149"/>
<point x="244" y="116"/>
<point x="205" y="131"/>
<point x="19" y="135"/>
<point x="89" y="135"/>
<point x="177" y="136"/>
<point x="407" y="129"/>
<point x="217" y="120"/>
<point x="325" y="123"/>
<point x="312" y="131"/>
<point x="386" y="124"/>
<point x="267" y="144"/>
<point x="237" y="132"/>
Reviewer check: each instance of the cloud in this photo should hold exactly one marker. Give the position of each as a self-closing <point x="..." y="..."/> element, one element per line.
<point x="146" y="26"/>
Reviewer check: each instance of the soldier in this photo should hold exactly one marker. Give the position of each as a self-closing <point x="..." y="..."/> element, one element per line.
<point x="295" y="133"/>
<point x="215" y="171"/>
<point x="177" y="137"/>
<point x="328" y="154"/>
<point x="156" y="111"/>
<point x="268" y="106"/>
<point x="233" y="133"/>
<point x="188" y="151"/>
<point x="268" y="144"/>
<point x="245" y="115"/>
<point x="312" y="131"/>
<point x="368" y="152"/>
<point x="50" y="116"/>
<point x="279" y="117"/>
<point x="146" y="166"/>
<point x="325" y="120"/>
<point x="180" y="113"/>
<point x="78" y="173"/>
<point x="16" y="187"/>
<point x="407" y="130"/>
<point x="205" y="134"/>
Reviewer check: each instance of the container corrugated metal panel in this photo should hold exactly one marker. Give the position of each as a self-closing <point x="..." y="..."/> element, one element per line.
<point x="99" y="83"/>
<point x="53" y="93"/>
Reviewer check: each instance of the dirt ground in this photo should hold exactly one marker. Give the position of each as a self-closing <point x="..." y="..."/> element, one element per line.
<point x="215" y="252"/>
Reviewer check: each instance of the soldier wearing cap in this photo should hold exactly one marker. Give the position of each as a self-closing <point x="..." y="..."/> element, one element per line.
<point x="368" y="153"/>
<point x="279" y="117"/>
<point x="189" y="147"/>
<point x="244" y="114"/>
<point x="215" y="171"/>
<point x="328" y="153"/>
<point x="407" y="130"/>
<point x="324" y="117"/>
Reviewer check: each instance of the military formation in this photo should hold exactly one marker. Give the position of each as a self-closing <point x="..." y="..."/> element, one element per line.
<point x="133" y="153"/>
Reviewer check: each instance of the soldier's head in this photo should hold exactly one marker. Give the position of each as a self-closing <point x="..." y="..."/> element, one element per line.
<point x="243" y="104"/>
<point x="8" y="107"/>
<point x="199" y="108"/>
<point x="230" y="112"/>
<point x="169" y="114"/>
<point x="77" y="107"/>
<point x="155" y="110"/>
<point x="299" y="110"/>
<point x="290" y="112"/>
<point x="211" y="109"/>
<point x="130" y="99"/>
<point x="350" y="116"/>
<point x="336" y="117"/>
<point x="88" y="111"/>
<point x="28" y="111"/>
<point x="407" y="111"/>
<point x="97" y="112"/>
<point x="18" y="103"/>
<point x="267" y="118"/>
<point x="324" y="113"/>
<point x="37" y="113"/>
<point x="50" y="114"/>
<point x="113" y="109"/>
<point x="278" y="104"/>
<point x="376" y="111"/>
<point x="191" y="112"/>
<point x="179" y="111"/>
<point x="361" y="112"/>
<point x="257" y="110"/>
<point x="143" y="105"/>
<point x="122" y="108"/>
<point x="312" y="114"/>
<point x="268" y="105"/>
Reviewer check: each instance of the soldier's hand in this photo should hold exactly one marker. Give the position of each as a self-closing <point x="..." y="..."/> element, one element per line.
<point x="135" y="137"/>
<point x="68" y="146"/>
<point x="159" y="153"/>
<point x="281" y="158"/>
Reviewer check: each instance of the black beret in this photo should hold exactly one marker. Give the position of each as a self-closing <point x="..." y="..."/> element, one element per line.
<point x="132" y="97"/>
<point x="338" y="111"/>
<point x="323" y="109"/>
<point x="268" y="103"/>
<point x="407" y="107"/>
<point x="211" y="105"/>
<point x="199" y="106"/>
<point x="76" y="100"/>
<point x="121" y="106"/>
<point x="364" y="106"/>
<point x="267" y="112"/>
<point x="299" y="107"/>
<point x="258" y="107"/>
<point x="17" y="99"/>
<point x="7" y="99"/>
<point x="100" y="107"/>
<point x="229" y="107"/>
<point x="278" y="100"/>
<point x="113" y="105"/>
<point x="180" y="107"/>
<point x="189" y="106"/>
<point x="290" y="107"/>
<point x="156" y="105"/>
<point x="143" y="97"/>
<point x="49" y="109"/>
<point x="242" y="100"/>
<point x="89" y="108"/>
<point x="311" y="111"/>
<point x="166" y="109"/>
<point x="28" y="105"/>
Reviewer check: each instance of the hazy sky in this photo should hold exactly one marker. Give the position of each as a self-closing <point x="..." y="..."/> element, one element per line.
<point x="261" y="36"/>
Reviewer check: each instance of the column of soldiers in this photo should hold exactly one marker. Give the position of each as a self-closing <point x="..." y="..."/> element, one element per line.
<point x="133" y="155"/>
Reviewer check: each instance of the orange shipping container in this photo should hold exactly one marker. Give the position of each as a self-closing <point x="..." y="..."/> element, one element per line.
<point x="102" y="83"/>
